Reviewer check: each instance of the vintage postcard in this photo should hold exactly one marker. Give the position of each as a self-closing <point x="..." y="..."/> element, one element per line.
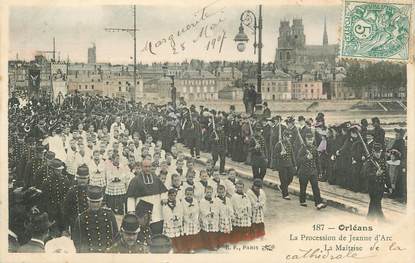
<point x="207" y="131"/>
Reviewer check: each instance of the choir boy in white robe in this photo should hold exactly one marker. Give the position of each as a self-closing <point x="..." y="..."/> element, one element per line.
<point x="258" y="201"/>
<point x="209" y="217"/>
<point x="225" y="216"/>
<point x="191" y="225"/>
<point x="242" y="219"/>
<point x="173" y="219"/>
<point x="230" y="183"/>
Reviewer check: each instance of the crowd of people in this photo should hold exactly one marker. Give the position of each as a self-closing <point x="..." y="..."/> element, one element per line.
<point x="76" y="164"/>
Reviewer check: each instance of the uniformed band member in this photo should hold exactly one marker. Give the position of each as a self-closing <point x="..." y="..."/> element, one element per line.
<point x="96" y="227"/>
<point x="76" y="200"/>
<point x="375" y="170"/>
<point x="259" y="161"/>
<point x="54" y="188"/>
<point x="128" y="242"/>
<point x="143" y="211"/>
<point x="308" y="171"/>
<point x="285" y="163"/>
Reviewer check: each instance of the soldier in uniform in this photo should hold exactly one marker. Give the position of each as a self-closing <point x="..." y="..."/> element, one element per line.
<point x="375" y="170"/>
<point x="308" y="171"/>
<point x="143" y="212"/>
<point x="285" y="163"/>
<point x="259" y="161"/>
<point x="54" y="188"/>
<point x="195" y="134"/>
<point x="276" y="137"/>
<point x="218" y="142"/>
<point x="128" y="243"/>
<point x="44" y="170"/>
<point x="96" y="227"/>
<point x="76" y="200"/>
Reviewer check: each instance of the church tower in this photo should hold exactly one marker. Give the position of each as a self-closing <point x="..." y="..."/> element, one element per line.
<point x="284" y="51"/>
<point x="325" y="37"/>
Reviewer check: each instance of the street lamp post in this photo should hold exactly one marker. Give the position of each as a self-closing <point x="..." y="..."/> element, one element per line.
<point x="249" y="19"/>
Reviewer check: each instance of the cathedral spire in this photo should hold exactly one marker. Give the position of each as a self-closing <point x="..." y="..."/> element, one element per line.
<point x="325" y="37"/>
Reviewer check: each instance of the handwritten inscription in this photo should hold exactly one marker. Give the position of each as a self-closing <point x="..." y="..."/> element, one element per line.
<point x="207" y="30"/>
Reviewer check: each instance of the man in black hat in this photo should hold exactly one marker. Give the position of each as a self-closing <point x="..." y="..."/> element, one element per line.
<point x="143" y="212"/>
<point x="95" y="228"/>
<point x="308" y="171"/>
<point x="259" y="161"/>
<point x="195" y="135"/>
<point x="54" y="188"/>
<point x="375" y="170"/>
<point x="76" y="200"/>
<point x="378" y="132"/>
<point x="39" y="227"/>
<point x="33" y="166"/>
<point x="128" y="243"/>
<point x="285" y="162"/>
<point x="266" y="111"/>
<point x="399" y="145"/>
<point x="218" y="144"/>
<point x="45" y="170"/>
<point x="276" y="135"/>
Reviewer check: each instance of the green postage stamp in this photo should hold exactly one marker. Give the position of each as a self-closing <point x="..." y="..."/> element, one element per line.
<point x="376" y="31"/>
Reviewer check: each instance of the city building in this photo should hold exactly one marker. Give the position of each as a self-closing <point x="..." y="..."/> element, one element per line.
<point x="226" y="77"/>
<point x="115" y="83"/>
<point x="275" y="85"/>
<point x="338" y="88"/>
<point x="197" y="85"/>
<point x="92" y="54"/>
<point x="308" y="87"/>
<point x="292" y="51"/>
<point x="18" y="76"/>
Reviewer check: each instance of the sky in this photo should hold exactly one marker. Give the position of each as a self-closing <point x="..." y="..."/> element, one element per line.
<point x="195" y="32"/>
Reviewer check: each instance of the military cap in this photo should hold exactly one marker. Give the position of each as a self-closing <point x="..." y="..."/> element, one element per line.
<point x="130" y="224"/>
<point x="258" y="126"/>
<point x="377" y="147"/>
<point x="301" y="118"/>
<point x="56" y="164"/>
<point x="257" y="182"/>
<point x="143" y="207"/>
<point x="50" y="155"/>
<point x="82" y="171"/>
<point x="364" y="122"/>
<point x="276" y="118"/>
<point x="94" y="193"/>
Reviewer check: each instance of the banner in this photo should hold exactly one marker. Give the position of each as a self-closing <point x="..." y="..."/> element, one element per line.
<point x="34" y="79"/>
